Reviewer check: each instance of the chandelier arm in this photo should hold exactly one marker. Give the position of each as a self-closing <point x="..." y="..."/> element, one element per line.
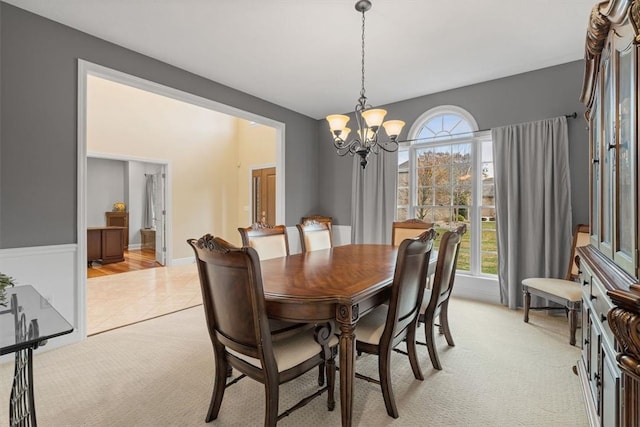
<point x="343" y="151"/>
<point x="393" y="144"/>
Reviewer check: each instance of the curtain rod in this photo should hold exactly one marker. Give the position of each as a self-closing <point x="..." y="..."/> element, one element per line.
<point x="568" y="116"/>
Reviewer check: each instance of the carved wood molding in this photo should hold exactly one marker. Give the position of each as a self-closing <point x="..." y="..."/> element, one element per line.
<point x="597" y="32"/>
<point x="213" y="244"/>
<point x="261" y="225"/>
<point x="625" y="326"/>
<point x="634" y="18"/>
<point x="604" y="14"/>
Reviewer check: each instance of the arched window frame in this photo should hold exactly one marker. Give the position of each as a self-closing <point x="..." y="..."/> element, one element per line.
<point x="477" y="139"/>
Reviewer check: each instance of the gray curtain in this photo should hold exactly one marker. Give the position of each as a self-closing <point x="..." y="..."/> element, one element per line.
<point x="373" y="198"/>
<point x="533" y="203"/>
<point x="148" y="207"/>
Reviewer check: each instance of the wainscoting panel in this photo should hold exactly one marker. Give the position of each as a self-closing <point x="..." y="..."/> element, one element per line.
<point x="53" y="272"/>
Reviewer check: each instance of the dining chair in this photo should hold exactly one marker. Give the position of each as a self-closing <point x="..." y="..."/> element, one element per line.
<point x="382" y="329"/>
<point x="270" y="241"/>
<point x="318" y="218"/>
<point x="435" y="303"/>
<point x="567" y="292"/>
<point x="240" y="332"/>
<point x="314" y="235"/>
<point x="401" y="230"/>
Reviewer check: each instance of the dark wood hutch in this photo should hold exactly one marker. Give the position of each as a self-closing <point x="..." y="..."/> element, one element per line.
<point x="609" y="367"/>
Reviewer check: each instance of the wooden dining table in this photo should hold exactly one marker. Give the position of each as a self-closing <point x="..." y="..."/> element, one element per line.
<point x="340" y="284"/>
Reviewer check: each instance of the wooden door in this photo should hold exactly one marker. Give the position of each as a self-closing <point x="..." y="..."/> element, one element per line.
<point x="263" y="190"/>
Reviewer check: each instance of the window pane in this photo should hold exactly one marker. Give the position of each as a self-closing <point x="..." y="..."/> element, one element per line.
<point x="403" y="160"/>
<point x="403" y="196"/>
<point x="489" y="263"/>
<point x="462" y="172"/>
<point x="442" y="216"/>
<point x="424" y="196"/>
<point x="443" y="195"/>
<point x="442" y="175"/>
<point x="488" y="193"/>
<point x="403" y="179"/>
<point x="401" y="213"/>
<point x="424" y="213"/>
<point x="425" y="176"/>
<point x="461" y="153"/>
<point x="464" y="255"/>
<point x="443" y="180"/>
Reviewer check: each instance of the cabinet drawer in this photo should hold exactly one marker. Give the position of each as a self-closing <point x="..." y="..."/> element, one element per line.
<point x="601" y="306"/>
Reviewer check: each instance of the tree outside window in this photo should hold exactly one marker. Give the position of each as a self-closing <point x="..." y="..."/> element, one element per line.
<point x="446" y="165"/>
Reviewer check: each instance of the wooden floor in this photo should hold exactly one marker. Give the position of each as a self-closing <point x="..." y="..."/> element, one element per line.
<point x="140" y="259"/>
<point x="137" y="289"/>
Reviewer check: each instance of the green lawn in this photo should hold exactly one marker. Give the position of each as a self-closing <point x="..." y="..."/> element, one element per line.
<point x="489" y="247"/>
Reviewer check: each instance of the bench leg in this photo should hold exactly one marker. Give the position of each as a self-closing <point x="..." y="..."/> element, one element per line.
<point x="573" y="308"/>
<point x="527" y="303"/>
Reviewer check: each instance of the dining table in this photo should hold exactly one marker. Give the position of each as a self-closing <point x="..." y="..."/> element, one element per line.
<point x="340" y="284"/>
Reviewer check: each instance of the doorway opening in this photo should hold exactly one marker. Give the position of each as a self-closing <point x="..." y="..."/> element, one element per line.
<point x="138" y="187"/>
<point x="196" y="209"/>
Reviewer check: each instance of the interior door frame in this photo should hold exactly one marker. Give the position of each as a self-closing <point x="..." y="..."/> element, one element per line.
<point x="167" y="200"/>
<point x="86" y="68"/>
<point x="254" y="168"/>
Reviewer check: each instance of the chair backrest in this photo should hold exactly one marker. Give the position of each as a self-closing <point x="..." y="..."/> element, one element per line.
<point x="314" y="236"/>
<point x="581" y="237"/>
<point x="270" y="241"/>
<point x="445" y="274"/>
<point x="233" y="297"/>
<point x="401" y="230"/>
<point x="409" y="283"/>
<point x="318" y="218"/>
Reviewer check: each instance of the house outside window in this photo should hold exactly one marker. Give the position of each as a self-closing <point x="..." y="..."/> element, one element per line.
<point x="445" y="176"/>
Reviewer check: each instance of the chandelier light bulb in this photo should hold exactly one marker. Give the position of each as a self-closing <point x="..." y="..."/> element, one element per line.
<point x="374" y="117"/>
<point x="337" y="122"/>
<point x="393" y="128"/>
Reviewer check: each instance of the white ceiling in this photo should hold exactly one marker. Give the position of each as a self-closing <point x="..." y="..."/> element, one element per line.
<point x="305" y="54"/>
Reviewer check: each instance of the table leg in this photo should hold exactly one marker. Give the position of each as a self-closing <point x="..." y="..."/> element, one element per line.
<point x="347" y="316"/>
<point x="22" y="408"/>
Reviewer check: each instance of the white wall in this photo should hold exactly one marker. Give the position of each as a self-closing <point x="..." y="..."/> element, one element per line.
<point x="201" y="145"/>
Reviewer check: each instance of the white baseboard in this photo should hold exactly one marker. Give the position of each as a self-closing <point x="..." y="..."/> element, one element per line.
<point x="183" y="261"/>
<point x="479" y="288"/>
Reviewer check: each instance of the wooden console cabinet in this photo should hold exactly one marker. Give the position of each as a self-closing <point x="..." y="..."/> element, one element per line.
<point x="119" y="219"/>
<point x="105" y="244"/>
<point x="609" y="367"/>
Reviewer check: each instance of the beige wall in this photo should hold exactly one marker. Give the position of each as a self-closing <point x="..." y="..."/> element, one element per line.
<point x="201" y="145"/>
<point x="256" y="148"/>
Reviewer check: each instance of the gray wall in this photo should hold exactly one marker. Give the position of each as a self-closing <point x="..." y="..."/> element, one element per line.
<point x="531" y="96"/>
<point x="106" y="184"/>
<point x="38" y="118"/>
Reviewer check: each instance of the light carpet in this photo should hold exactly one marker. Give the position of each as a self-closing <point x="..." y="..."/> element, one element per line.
<point x="502" y="372"/>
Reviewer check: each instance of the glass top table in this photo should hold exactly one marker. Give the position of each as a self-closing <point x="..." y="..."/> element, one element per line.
<point x="26" y="323"/>
<point x="28" y="320"/>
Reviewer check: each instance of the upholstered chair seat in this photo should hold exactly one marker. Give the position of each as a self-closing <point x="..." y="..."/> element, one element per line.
<point x="314" y="236"/>
<point x="566" y="292"/>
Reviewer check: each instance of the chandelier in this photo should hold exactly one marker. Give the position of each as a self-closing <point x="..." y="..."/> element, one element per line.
<point x="369" y="120"/>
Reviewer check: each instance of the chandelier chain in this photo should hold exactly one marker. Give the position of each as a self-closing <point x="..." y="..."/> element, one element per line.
<point x="362" y="91"/>
<point x="369" y="120"/>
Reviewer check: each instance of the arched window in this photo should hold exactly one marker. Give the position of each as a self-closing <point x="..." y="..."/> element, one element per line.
<point x="445" y="176"/>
